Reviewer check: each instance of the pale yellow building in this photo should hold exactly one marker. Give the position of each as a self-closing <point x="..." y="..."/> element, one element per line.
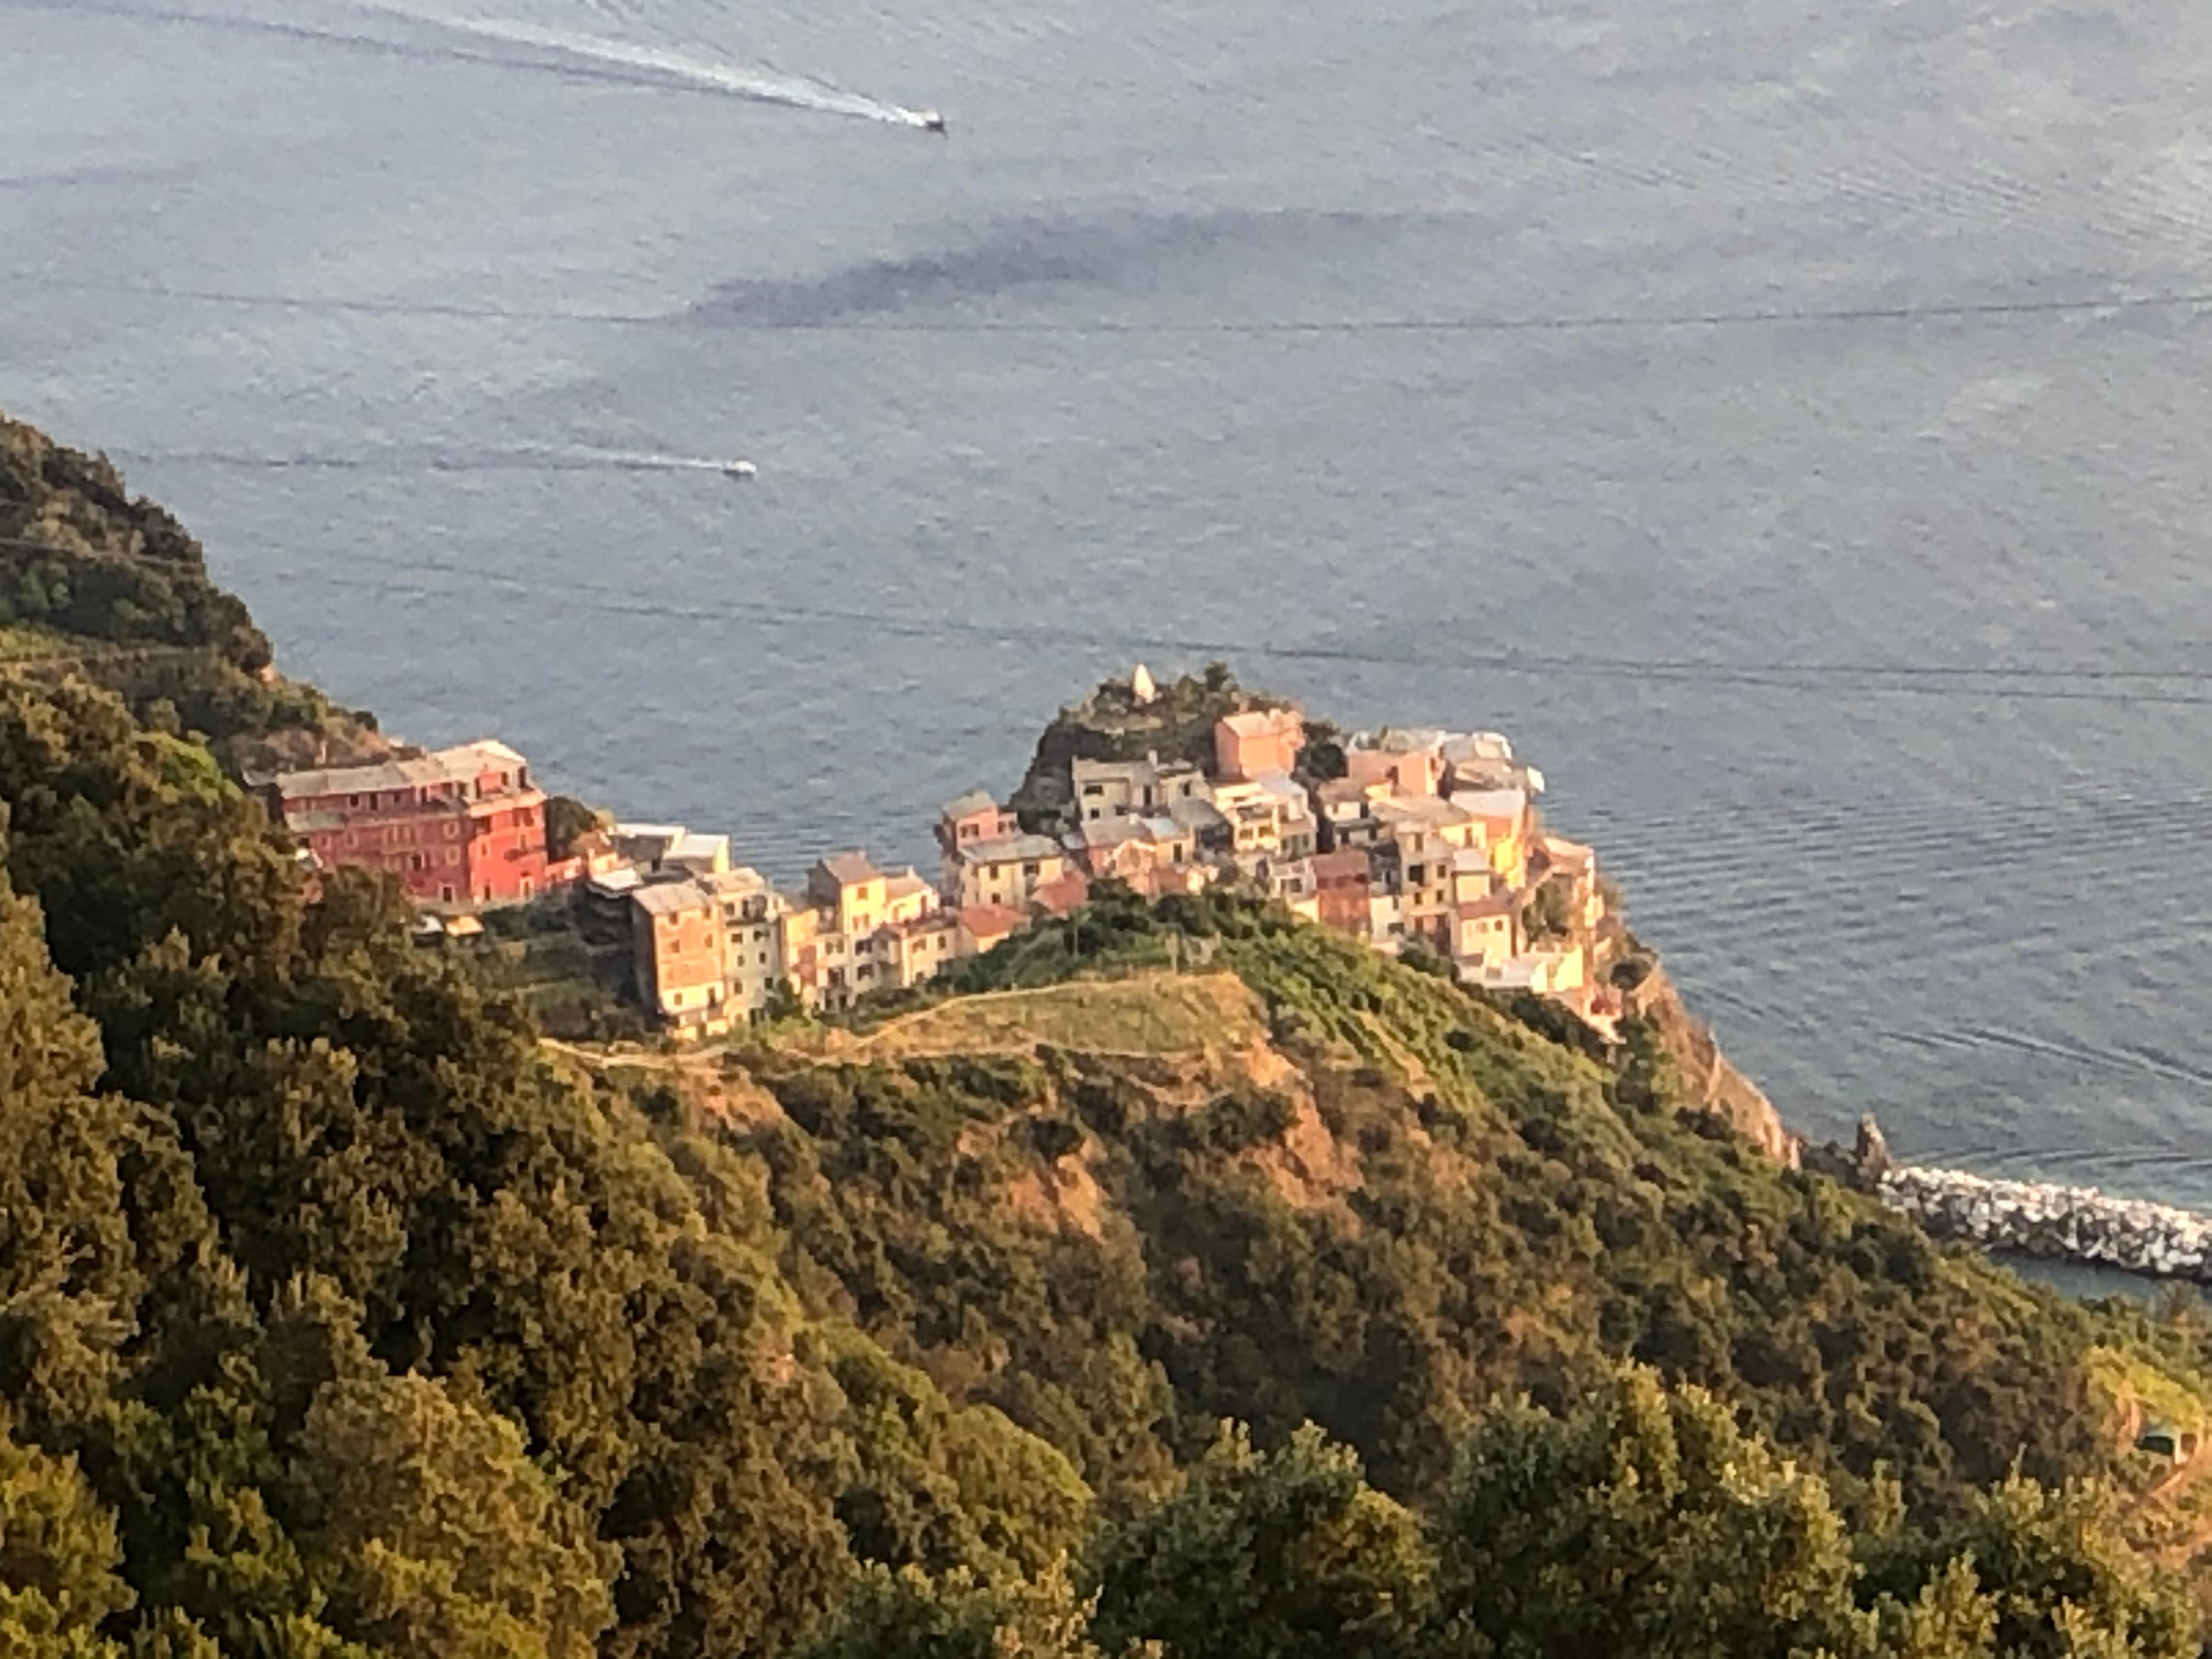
<point x="1560" y="971"/>
<point x="1008" y="870"/>
<point x="1486" y="934"/>
<point x="752" y="915"/>
<point x="846" y="938"/>
<point x="920" y="948"/>
<point x="1502" y="816"/>
<point x="682" y="956"/>
<point x="1267" y="814"/>
<point x="1105" y="789"/>
<point x="1575" y="867"/>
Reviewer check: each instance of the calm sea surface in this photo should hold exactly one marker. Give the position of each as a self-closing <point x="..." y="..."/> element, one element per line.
<point x="1690" y="390"/>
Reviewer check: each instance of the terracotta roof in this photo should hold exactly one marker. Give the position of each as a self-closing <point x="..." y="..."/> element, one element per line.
<point x="1063" y="895"/>
<point x="976" y="800"/>
<point x="991" y="921"/>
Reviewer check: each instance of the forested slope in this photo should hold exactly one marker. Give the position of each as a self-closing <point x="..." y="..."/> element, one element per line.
<point x="96" y="581"/>
<point x="340" y="1315"/>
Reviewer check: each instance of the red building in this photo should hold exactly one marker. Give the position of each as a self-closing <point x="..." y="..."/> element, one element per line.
<point x="1342" y="881"/>
<point x="461" y="828"/>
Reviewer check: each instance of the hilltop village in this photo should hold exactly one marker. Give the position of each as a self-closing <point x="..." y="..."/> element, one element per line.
<point x="1403" y="838"/>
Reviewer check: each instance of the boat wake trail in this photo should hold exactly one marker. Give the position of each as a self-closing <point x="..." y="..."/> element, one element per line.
<point x="575" y="459"/>
<point x="755" y="82"/>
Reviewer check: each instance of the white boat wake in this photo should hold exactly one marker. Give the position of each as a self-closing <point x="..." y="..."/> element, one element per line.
<point x="741" y="81"/>
<point x="578" y="458"/>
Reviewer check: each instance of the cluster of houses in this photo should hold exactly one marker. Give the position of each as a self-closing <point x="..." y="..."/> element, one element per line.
<point x="1429" y="838"/>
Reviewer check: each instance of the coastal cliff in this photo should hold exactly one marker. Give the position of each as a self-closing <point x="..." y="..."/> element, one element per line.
<point x="1130" y="720"/>
<point x="1709" y="1080"/>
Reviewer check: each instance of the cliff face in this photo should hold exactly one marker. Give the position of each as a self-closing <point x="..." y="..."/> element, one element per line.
<point x="1709" y="1078"/>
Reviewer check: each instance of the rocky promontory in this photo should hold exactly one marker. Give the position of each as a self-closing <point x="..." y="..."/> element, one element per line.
<point x="1709" y="1078"/>
<point x="1124" y="720"/>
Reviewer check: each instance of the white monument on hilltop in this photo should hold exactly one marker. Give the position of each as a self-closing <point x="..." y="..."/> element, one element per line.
<point x="1140" y="685"/>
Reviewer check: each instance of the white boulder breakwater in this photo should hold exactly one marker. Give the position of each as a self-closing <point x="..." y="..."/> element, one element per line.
<point x="2038" y="1218"/>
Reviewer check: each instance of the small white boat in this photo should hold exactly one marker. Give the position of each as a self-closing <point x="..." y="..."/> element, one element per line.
<point x="739" y="469"/>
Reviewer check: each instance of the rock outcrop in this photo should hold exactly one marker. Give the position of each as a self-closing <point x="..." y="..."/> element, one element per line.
<point x="1709" y="1078"/>
<point x="1118" y="723"/>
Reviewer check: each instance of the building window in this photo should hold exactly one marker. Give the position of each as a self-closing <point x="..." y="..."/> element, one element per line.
<point x="1028" y="872"/>
<point x="353" y="801"/>
<point x="445" y="893"/>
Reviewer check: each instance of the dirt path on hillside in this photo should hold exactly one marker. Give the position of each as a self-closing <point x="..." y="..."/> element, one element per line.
<point x="605" y="1058"/>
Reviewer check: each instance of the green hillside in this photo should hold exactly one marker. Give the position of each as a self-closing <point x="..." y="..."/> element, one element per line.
<point x="95" y="581"/>
<point x="1185" y="1281"/>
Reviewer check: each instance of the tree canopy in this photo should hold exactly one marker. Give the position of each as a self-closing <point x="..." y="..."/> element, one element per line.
<point x="342" y="1318"/>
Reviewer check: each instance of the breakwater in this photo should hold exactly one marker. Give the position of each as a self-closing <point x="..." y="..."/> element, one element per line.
<point x="2056" y="1222"/>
